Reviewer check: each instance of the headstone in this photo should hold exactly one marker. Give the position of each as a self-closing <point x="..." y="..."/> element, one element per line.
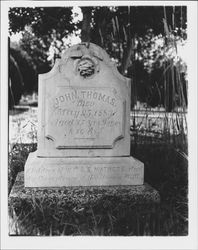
<point x="84" y="124"/>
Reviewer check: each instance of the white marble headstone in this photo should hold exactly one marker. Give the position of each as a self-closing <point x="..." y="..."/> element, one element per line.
<point x="84" y="111"/>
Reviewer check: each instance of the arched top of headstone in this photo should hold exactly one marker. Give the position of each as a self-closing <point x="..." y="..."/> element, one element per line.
<point x="85" y="60"/>
<point x="87" y="57"/>
<point x="86" y="49"/>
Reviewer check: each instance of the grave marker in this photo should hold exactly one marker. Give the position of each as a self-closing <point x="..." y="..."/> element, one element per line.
<point x="84" y="126"/>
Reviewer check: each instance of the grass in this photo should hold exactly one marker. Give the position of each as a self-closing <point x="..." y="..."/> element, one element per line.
<point x="16" y="160"/>
<point x="165" y="169"/>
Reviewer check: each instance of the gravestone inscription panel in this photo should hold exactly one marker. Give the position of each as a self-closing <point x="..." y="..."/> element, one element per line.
<point x="84" y="126"/>
<point x="81" y="117"/>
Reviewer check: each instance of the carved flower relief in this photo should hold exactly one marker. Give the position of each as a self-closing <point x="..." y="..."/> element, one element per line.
<point x="86" y="66"/>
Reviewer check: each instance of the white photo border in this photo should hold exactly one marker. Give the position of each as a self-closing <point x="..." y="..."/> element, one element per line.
<point x="178" y="242"/>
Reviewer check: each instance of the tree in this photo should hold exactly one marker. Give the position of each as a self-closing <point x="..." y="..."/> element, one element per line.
<point x="116" y="28"/>
<point x="26" y="67"/>
<point x="41" y="27"/>
<point x="42" y="20"/>
<point x="86" y="24"/>
<point x="125" y="32"/>
<point x="129" y="34"/>
<point x="15" y="83"/>
<point x="113" y="28"/>
<point x="37" y="49"/>
<point x="22" y="74"/>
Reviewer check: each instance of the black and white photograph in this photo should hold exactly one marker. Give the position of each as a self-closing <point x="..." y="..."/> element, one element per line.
<point x="99" y="124"/>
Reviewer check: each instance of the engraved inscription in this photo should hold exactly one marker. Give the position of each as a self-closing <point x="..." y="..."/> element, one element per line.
<point x="83" y="117"/>
<point x="75" y="174"/>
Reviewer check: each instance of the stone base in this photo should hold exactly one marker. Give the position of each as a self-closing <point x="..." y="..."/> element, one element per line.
<point x="134" y="194"/>
<point x="78" y="171"/>
<point x="70" y="210"/>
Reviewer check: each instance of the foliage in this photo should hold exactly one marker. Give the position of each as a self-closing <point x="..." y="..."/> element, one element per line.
<point x="15" y="84"/>
<point x="115" y="27"/>
<point x="41" y="28"/>
<point x="111" y="27"/>
<point x="166" y="169"/>
<point x="16" y="160"/>
<point x="163" y="68"/>
<point x="22" y="74"/>
<point x="142" y="40"/>
<point x="37" y="50"/>
<point x="26" y="66"/>
<point x="43" y="21"/>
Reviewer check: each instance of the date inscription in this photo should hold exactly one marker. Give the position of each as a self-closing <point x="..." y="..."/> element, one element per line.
<point x="85" y="118"/>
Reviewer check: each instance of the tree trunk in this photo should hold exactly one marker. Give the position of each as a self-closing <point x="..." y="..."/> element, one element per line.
<point x="128" y="53"/>
<point x="86" y="24"/>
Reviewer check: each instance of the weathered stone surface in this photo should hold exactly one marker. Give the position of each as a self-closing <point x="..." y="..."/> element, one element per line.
<point x="140" y="194"/>
<point x="84" y="124"/>
<point x="81" y="117"/>
<point x="57" y="172"/>
<point x="118" y="210"/>
<point x="85" y="113"/>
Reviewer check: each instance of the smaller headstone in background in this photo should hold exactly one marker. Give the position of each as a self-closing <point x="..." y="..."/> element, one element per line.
<point x="138" y="105"/>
